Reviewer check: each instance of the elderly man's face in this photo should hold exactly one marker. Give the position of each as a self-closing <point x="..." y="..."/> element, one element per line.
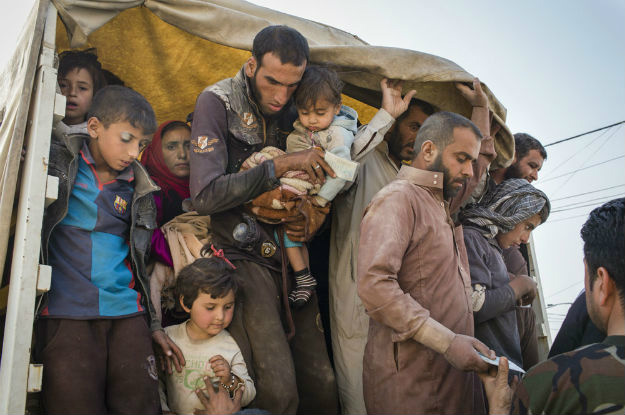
<point x="273" y="82"/>
<point x="456" y="161"/>
<point x="402" y="136"/>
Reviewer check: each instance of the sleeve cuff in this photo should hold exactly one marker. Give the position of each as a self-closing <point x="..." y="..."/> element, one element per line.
<point x="272" y="180"/>
<point x="381" y="121"/>
<point x="434" y="335"/>
<point x="156" y="325"/>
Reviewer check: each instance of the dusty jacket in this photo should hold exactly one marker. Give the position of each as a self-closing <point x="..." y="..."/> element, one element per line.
<point x="412" y="276"/>
<point x="227" y="128"/>
<point x="64" y="156"/>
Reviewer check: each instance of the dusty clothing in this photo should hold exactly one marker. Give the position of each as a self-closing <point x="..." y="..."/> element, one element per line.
<point x="525" y="317"/>
<point x="88" y="249"/>
<point x="412" y="269"/>
<point x="577" y="329"/>
<point x="64" y="163"/>
<point x="590" y="379"/>
<point x="177" y="390"/>
<point x="337" y="139"/>
<point x="276" y="361"/>
<point x="97" y="366"/>
<point x="227" y="129"/>
<point x="348" y="319"/>
<point x="493" y="297"/>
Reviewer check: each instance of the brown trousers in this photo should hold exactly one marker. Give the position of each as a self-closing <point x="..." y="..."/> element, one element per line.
<point x="289" y="377"/>
<point x="97" y="366"/>
<point x="526" y="324"/>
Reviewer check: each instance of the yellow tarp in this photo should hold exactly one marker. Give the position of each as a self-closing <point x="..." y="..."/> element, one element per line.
<point x="167" y="65"/>
<point x="170" y="50"/>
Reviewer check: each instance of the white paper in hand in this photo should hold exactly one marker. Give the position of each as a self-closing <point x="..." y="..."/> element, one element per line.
<point x="345" y="169"/>
<point x="495" y="362"/>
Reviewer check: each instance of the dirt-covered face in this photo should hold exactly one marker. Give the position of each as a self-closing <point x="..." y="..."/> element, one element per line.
<point x="273" y="82"/>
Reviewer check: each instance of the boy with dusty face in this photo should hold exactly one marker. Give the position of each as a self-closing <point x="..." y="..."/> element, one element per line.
<point x="115" y="146"/>
<point x="92" y="332"/>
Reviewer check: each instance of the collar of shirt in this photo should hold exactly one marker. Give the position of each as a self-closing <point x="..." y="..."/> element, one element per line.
<point x="127" y="174"/>
<point x="425" y="178"/>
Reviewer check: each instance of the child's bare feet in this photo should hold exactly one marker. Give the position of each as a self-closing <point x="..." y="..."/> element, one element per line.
<point x="305" y="285"/>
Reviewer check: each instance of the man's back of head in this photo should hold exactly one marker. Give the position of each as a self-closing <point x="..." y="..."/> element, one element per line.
<point x="604" y="245"/>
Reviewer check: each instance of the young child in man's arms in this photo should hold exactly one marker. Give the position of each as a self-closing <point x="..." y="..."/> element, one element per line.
<point x="323" y="122"/>
<point x="206" y="290"/>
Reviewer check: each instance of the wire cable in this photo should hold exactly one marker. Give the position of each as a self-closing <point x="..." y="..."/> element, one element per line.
<point x="586" y="161"/>
<point x="565" y="162"/>
<point x="559" y="208"/>
<point x="565" y="288"/>
<point x="576" y="207"/>
<point x="582" y="168"/>
<point x="583" y="134"/>
<point x="587" y="193"/>
<point x="567" y="218"/>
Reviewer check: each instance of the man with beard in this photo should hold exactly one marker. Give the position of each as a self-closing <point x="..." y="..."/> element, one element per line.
<point x="590" y="379"/>
<point x="413" y="279"/>
<point x="529" y="155"/>
<point x="379" y="167"/>
<point x="233" y="119"/>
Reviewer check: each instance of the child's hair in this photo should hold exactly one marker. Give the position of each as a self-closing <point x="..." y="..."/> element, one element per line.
<point x="318" y="82"/>
<point x="82" y="59"/>
<point x="116" y="103"/>
<point x="207" y="275"/>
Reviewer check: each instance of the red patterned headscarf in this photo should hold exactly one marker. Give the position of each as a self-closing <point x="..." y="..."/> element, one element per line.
<point x="152" y="159"/>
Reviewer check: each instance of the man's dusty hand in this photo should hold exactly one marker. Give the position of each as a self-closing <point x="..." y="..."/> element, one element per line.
<point x="311" y="161"/>
<point x="295" y="227"/>
<point x="218" y="402"/>
<point x="392" y="101"/>
<point x="525" y="288"/>
<point x="476" y="96"/>
<point x="498" y="392"/>
<point x="462" y="354"/>
<point x="168" y="352"/>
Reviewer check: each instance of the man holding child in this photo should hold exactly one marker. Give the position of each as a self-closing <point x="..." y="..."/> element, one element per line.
<point x="233" y="119"/>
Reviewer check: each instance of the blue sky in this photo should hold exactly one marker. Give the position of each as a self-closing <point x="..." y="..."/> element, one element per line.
<point x="557" y="66"/>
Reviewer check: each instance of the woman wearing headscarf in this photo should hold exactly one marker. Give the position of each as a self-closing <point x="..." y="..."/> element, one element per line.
<point x="167" y="162"/>
<point x="504" y="217"/>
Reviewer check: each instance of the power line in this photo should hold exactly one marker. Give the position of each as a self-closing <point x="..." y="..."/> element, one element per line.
<point x="583" y="168"/>
<point x="568" y="179"/>
<point x="561" y="208"/>
<point x="587" y="193"/>
<point x="565" y="162"/>
<point x="565" y="288"/>
<point x="583" y="134"/>
<point x="567" y="218"/>
<point x="573" y="208"/>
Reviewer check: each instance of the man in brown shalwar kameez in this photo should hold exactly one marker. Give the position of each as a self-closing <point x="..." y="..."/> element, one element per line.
<point x="414" y="281"/>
